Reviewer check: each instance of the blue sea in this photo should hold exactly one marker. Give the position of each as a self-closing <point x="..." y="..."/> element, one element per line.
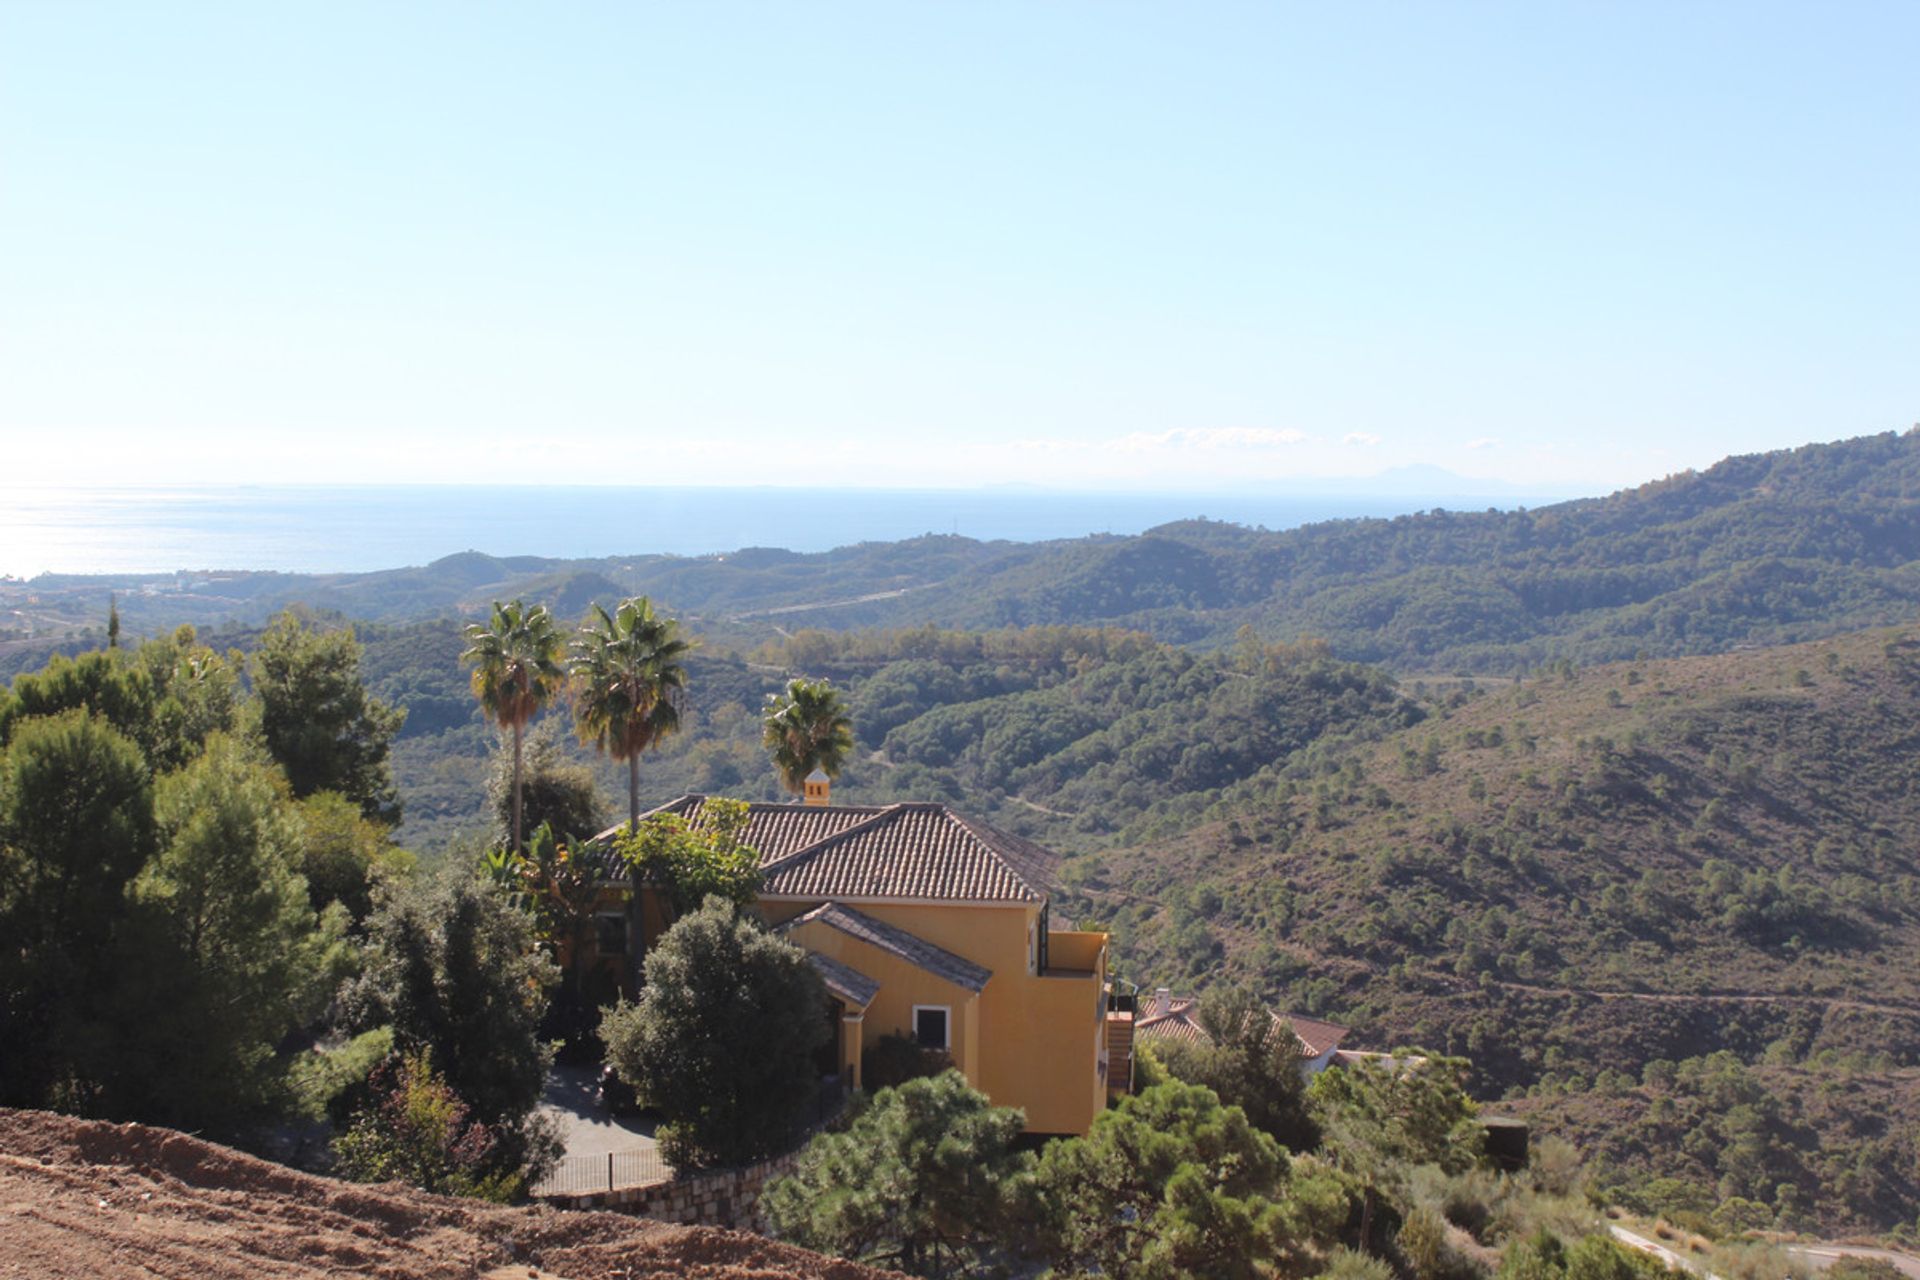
<point x="318" y="529"/>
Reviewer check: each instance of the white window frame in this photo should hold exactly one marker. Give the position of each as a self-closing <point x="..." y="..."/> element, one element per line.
<point x="946" y="1011"/>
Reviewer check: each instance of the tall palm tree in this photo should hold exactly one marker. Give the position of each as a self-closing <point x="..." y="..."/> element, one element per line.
<point x="626" y="671"/>
<point x="806" y="728"/>
<point x="516" y="671"/>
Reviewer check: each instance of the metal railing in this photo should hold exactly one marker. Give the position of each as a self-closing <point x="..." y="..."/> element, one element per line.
<point x="614" y="1171"/>
<point x="646" y="1167"/>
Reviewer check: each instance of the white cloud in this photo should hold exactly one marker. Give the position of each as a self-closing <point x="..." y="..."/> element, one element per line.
<point x="1365" y="439"/>
<point x="1484" y="442"/>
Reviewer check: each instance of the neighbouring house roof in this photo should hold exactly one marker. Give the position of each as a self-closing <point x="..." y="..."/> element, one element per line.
<point x="895" y="941"/>
<point x="913" y="850"/>
<point x="1176" y="1018"/>
<point x="845" y="981"/>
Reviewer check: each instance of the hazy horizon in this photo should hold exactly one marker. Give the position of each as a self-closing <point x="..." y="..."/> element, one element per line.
<point x="321" y="528"/>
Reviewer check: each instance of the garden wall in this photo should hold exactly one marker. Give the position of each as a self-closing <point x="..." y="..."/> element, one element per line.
<point x="716" y="1198"/>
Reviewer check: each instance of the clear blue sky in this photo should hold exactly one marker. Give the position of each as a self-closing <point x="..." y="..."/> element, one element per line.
<point x="1568" y="245"/>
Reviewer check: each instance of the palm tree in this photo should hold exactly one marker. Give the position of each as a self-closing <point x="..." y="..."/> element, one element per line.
<point x="626" y="671"/>
<point x="806" y="728"/>
<point x="516" y="671"/>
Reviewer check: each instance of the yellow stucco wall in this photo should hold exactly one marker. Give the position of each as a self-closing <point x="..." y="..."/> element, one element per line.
<point x="1033" y="1042"/>
<point x="902" y="986"/>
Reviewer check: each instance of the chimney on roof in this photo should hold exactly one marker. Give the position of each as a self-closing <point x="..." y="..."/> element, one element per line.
<point x="1162" y="1000"/>
<point x="816" y="787"/>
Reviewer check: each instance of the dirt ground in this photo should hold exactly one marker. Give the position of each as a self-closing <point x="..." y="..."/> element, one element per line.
<point x="84" y="1199"/>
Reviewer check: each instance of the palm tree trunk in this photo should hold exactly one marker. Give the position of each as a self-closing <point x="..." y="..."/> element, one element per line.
<point x="637" y="915"/>
<point x="516" y="786"/>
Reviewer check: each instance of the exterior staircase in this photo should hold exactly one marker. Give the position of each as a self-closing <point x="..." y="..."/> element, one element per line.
<point x="1120" y="1014"/>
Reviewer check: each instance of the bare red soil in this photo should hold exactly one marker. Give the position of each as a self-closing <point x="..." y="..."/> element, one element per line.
<point x="82" y="1198"/>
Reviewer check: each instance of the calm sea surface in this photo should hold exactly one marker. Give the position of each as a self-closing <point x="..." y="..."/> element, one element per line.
<point x="317" y="529"/>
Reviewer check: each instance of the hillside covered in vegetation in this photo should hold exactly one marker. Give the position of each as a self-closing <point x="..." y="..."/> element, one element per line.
<point x="1674" y="905"/>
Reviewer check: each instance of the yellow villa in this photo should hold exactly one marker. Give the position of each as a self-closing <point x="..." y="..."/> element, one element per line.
<point x="927" y="924"/>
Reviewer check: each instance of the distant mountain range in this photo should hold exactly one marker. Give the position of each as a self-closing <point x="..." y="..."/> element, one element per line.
<point x="1761" y="549"/>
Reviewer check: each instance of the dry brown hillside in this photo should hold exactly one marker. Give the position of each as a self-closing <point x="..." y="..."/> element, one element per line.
<point x="85" y="1199"/>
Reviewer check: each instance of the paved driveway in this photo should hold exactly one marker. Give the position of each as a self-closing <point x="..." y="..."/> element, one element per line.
<point x="588" y="1130"/>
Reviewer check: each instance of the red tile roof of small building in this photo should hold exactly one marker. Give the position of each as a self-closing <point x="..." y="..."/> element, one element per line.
<point x="1175" y="1018"/>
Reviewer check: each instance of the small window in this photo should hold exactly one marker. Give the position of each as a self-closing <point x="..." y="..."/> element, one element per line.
<point x="610" y="934"/>
<point x="930" y="1026"/>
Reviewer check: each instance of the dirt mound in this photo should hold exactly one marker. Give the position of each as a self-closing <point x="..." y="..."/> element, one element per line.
<point x="82" y="1198"/>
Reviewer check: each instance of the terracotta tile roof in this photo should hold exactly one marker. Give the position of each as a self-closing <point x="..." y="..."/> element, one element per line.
<point x="911" y="850"/>
<point x="845" y="981"/>
<point x="938" y="961"/>
<point x="1176" y="1018"/>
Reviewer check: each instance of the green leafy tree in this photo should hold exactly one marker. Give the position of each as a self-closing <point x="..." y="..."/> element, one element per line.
<point x="690" y="862"/>
<point x="515" y="658"/>
<point x="343" y="855"/>
<point x="627" y="669"/>
<point x="319" y="722"/>
<point x="227" y="955"/>
<point x="118" y="692"/>
<point x="722" y="1038"/>
<point x="1380" y="1118"/>
<point x="454" y="969"/>
<point x="806" y="728"/>
<point x="197" y="693"/>
<point x="1251" y="1060"/>
<point x="554" y="790"/>
<point x="925" y="1180"/>
<point x="76" y="826"/>
<point x="1169" y="1184"/>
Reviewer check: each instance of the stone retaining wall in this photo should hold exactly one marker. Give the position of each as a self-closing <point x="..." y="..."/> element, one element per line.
<point x="716" y="1198"/>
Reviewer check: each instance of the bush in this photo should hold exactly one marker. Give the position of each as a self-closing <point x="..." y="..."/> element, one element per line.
<point x="417" y="1130"/>
<point x="896" y="1059"/>
<point x="1350" y="1264"/>
<point x="1423" y="1243"/>
<point x="333" y="1085"/>
<point x="722" y="1038"/>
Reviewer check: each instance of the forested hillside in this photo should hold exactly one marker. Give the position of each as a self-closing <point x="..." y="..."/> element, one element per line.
<point x="1764" y="549"/>
<point x="1590" y="883"/>
<point x="1066" y="734"/>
